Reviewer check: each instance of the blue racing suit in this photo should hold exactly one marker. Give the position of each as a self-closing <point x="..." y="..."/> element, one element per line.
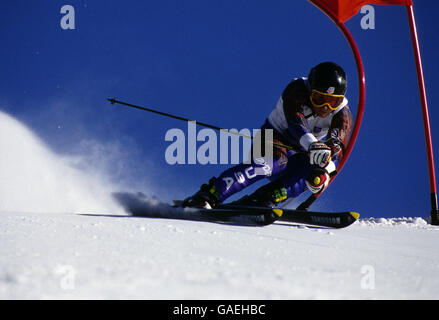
<point x="296" y="125"/>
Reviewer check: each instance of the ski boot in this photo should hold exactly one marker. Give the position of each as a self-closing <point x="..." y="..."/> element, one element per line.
<point x="269" y="195"/>
<point x="207" y="197"/>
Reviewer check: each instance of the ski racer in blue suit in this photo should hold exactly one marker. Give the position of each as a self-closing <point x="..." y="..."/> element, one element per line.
<point x="312" y="117"/>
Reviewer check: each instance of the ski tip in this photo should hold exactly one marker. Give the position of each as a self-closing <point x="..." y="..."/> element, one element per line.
<point x="112" y="100"/>
<point x="278" y="212"/>
<point x="355" y="215"/>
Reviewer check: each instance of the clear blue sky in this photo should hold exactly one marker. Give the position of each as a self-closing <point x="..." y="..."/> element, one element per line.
<point x="221" y="62"/>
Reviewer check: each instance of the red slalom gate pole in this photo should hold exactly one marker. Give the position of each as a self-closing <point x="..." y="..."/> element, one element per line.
<point x="427" y="133"/>
<point x="361" y="101"/>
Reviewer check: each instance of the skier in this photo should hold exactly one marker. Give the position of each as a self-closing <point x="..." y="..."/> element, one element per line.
<point x="313" y="117"/>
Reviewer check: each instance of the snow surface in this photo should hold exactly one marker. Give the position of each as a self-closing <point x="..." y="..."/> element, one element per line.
<point x="74" y="256"/>
<point x="63" y="237"/>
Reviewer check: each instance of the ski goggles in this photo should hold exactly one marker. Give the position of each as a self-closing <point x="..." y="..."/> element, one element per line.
<point x="321" y="99"/>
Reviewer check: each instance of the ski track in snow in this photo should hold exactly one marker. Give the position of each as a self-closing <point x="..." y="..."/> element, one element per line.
<point x="74" y="256"/>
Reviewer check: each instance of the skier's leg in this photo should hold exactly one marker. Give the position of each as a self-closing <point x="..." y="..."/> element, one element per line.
<point x="298" y="170"/>
<point x="234" y="180"/>
<point x="288" y="183"/>
<point x="240" y="176"/>
<point x="293" y="180"/>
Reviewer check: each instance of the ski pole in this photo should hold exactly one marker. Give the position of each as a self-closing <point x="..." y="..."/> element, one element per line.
<point x="113" y="101"/>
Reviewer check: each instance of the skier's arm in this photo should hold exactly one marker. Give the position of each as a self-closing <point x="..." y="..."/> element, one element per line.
<point x="339" y="131"/>
<point x="335" y="145"/>
<point x="294" y="96"/>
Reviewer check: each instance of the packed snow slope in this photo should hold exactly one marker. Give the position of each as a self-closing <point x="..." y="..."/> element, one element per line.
<point x="63" y="237"/>
<point x="73" y="256"/>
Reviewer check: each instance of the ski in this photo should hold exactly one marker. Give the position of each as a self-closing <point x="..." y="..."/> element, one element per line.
<point x="138" y="205"/>
<point x="315" y="218"/>
<point x="244" y="216"/>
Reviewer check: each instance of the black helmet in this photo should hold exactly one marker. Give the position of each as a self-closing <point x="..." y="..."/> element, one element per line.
<point x="328" y="77"/>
